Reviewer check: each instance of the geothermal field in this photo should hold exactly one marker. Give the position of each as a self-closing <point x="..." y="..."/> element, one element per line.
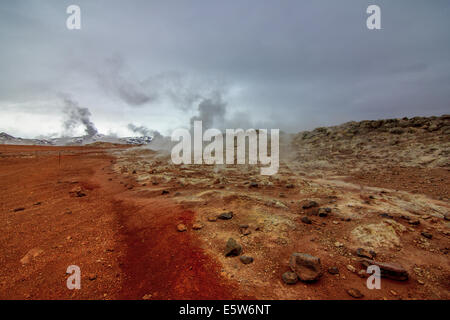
<point x="140" y="227"/>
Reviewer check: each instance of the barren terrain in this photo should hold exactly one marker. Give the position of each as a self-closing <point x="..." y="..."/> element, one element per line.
<point x="140" y="227"/>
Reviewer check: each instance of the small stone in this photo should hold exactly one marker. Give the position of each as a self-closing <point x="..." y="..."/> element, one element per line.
<point x="386" y="216"/>
<point x="197" y="226"/>
<point x="19" y="209"/>
<point x="414" y="222"/>
<point x="253" y="185"/>
<point x="362" y="273"/>
<point x="351" y="268"/>
<point x="233" y="248"/>
<point x="338" y="244"/>
<point x="226" y="215"/>
<point x="77" y="192"/>
<point x="420" y="282"/>
<point x="427" y="235"/>
<point x="92" y="276"/>
<point x="333" y="270"/>
<point x="309" y="204"/>
<point x="147" y="297"/>
<point x="31" y="254"/>
<point x="306" y="220"/>
<point x="306" y="266"/>
<point x="165" y="192"/>
<point x="290" y="186"/>
<point x="212" y="219"/>
<point x="369" y="254"/>
<point x="245" y="231"/>
<point x="355" y="293"/>
<point x="246" y="259"/>
<point x="290" y="277"/>
<point x="323" y="212"/>
<point x="181" y="227"/>
<point x="394" y="293"/>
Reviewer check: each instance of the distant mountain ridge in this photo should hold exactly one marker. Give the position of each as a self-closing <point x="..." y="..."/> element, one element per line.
<point x="75" y="141"/>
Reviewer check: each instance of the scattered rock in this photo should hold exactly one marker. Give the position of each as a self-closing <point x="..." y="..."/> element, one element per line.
<point x="364" y="253"/>
<point x="226" y="215"/>
<point x="181" y="227"/>
<point x="212" y="218"/>
<point x="290" y="186"/>
<point x="333" y="270"/>
<point x="233" y="248"/>
<point x="246" y="259"/>
<point x="290" y="277"/>
<point x="388" y="270"/>
<point x="147" y="297"/>
<point x="306" y="220"/>
<point x="30" y="255"/>
<point x="19" y="209"/>
<point x="77" y="192"/>
<point x="427" y="235"/>
<point x="307" y="267"/>
<point x="362" y="273"/>
<point x="165" y="192"/>
<point x="92" y="276"/>
<point x="414" y="222"/>
<point x="338" y="244"/>
<point x="309" y="204"/>
<point x="355" y="293"/>
<point x="253" y="185"/>
<point x="323" y="212"/>
<point x="197" y="226"/>
<point x="351" y="268"/>
<point x="244" y="230"/>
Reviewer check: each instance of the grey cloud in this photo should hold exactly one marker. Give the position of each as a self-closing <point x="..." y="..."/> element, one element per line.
<point x="115" y="78"/>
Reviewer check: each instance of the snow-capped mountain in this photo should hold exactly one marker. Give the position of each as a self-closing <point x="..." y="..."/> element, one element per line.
<point x="74" y="141"/>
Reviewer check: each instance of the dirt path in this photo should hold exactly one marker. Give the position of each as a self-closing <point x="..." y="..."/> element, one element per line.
<point x="125" y="246"/>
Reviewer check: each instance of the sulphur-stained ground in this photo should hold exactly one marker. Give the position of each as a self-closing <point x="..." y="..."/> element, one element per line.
<point x="140" y="227"/>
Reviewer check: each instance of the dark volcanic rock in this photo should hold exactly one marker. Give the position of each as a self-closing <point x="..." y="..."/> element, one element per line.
<point x="369" y="254"/>
<point x="333" y="270"/>
<point x="232" y="248"/>
<point x="306" y="220"/>
<point x="309" y="204"/>
<point x="290" y="277"/>
<point x="226" y="215"/>
<point x="427" y="235"/>
<point x="246" y="259"/>
<point x="323" y="212"/>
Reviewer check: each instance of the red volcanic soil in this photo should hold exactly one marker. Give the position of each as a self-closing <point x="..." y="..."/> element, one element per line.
<point x="126" y="247"/>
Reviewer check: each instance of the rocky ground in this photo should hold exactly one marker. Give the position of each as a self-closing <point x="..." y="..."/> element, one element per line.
<point x="344" y="198"/>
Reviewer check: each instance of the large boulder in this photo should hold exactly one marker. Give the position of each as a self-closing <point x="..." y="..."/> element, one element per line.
<point x="306" y="266"/>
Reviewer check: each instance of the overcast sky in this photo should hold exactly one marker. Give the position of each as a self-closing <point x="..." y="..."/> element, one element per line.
<point x="293" y="65"/>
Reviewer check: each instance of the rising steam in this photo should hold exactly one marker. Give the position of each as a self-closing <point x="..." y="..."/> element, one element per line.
<point x="76" y="116"/>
